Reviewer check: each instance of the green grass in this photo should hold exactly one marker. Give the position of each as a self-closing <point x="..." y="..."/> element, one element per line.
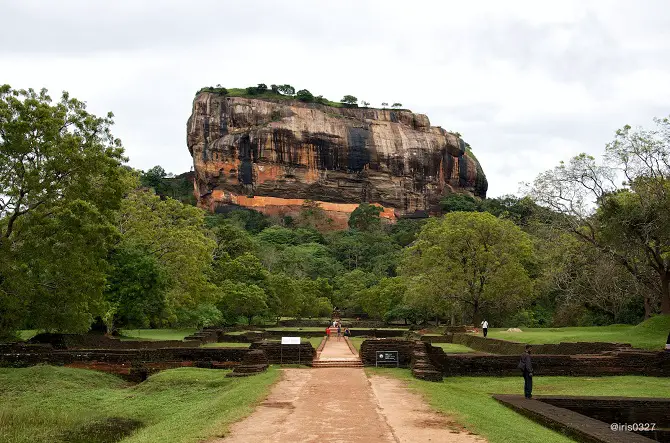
<point x="315" y="341"/>
<point x="454" y="348"/>
<point x="46" y="403"/>
<point x="468" y="400"/>
<point x="27" y="334"/>
<point x="650" y="334"/>
<point x="356" y="341"/>
<point x="226" y="345"/>
<point x="157" y="334"/>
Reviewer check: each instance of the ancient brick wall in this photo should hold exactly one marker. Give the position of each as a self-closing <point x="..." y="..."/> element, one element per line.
<point x="277" y="353"/>
<point x="613" y="363"/>
<point x="505" y="347"/>
<point x="95" y="341"/>
<point x="370" y="347"/>
<point x="30" y="357"/>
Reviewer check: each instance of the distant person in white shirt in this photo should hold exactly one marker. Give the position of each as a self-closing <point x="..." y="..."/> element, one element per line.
<point x="485" y="327"/>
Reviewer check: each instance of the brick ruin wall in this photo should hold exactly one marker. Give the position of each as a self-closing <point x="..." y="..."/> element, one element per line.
<point x="608" y="363"/>
<point x="277" y="353"/>
<point x="504" y="347"/>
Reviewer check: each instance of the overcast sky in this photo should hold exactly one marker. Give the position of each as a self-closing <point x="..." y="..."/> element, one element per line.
<point x="527" y="83"/>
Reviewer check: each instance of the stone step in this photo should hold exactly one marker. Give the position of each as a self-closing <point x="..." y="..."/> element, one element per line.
<point x="337" y="364"/>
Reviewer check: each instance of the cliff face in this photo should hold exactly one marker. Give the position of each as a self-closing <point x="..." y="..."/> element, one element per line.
<point x="273" y="155"/>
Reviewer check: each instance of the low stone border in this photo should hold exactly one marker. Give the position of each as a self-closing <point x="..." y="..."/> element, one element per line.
<point x="578" y="426"/>
<point x="505" y="347"/>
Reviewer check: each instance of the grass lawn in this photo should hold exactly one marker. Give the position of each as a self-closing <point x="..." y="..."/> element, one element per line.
<point x="315" y="341"/>
<point x="454" y="348"/>
<point x="55" y="404"/>
<point x="650" y="334"/>
<point x="468" y="400"/>
<point x="157" y="334"/>
<point x="226" y="345"/>
<point x="27" y="334"/>
<point x="356" y="341"/>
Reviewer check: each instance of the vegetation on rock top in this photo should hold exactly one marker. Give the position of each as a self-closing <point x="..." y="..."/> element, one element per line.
<point x="288" y="92"/>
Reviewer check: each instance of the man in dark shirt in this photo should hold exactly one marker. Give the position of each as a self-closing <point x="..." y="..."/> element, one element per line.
<point x="527" y="367"/>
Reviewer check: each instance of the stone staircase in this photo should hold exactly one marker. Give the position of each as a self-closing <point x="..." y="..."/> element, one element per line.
<point x="338" y="363"/>
<point x="421" y="366"/>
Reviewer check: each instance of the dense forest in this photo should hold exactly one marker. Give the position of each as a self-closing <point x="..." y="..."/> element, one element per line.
<point x="85" y="238"/>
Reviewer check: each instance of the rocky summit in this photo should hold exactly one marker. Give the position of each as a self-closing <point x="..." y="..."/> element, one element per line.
<point x="272" y="155"/>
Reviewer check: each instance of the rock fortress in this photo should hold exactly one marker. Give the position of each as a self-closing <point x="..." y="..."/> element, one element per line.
<point x="272" y="155"/>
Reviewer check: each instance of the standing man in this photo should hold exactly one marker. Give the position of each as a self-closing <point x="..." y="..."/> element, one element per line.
<point x="485" y="327"/>
<point x="667" y="343"/>
<point x="527" y="367"/>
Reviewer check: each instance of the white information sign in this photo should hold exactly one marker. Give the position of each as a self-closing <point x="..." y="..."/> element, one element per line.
<point x="290" y="340"/>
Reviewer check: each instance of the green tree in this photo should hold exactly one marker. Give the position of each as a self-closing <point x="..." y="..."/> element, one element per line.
<point x="349" y="287"/>
<point x="242" y="300"/>
<point x="154" y="178"/>
<point x="61" y="179"/>
<point x="384" y="105"/>
<point x="304" y="96"/>
<point x="459" y="202"/>
<point x="310" y="260"/>
<point x="284" y="289"/>
<point x="232" y="240"/>
<point x="396" y="105"/>
<point x="349" y="100"/>
<point x="631" y="221"/>
<point x="312" y="215"/>
<point x="366" y="218"/>
<point x="379" y="300"/>
<point x="471" y="259"/>
<point x="136" y="289"/>
<point x="175" y="234"/>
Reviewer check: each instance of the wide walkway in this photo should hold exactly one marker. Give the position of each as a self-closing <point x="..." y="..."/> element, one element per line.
<point x="337" y="350"/>
<point x="343" y="405"/>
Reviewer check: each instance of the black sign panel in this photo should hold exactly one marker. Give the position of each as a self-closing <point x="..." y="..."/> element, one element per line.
<point x="386" y="357"/>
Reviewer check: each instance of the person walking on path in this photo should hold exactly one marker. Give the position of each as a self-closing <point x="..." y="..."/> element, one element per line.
<point x="328" y="332"/>
<point x="485" y="327"/>
<point x="526" y="366"/>
<point x="347" y="332"/>
<point x="339" y="332"/>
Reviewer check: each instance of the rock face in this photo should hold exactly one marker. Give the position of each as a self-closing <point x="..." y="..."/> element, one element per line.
<point x="272" y="155"/>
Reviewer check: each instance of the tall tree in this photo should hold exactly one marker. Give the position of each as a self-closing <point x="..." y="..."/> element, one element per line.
<point x="175" y="234"/>
<point x="61" y="179"/>
<point x="627" y="222"/>
<point x="365" y="218"/>
<point x="473" y="259"/>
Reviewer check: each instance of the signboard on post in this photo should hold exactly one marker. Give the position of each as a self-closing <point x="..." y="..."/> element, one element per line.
<point x="387" y="357"/>
<point x="289" y="341"/>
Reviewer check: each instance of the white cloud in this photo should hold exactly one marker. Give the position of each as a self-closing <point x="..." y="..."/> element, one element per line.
<point x="528" y="83"/>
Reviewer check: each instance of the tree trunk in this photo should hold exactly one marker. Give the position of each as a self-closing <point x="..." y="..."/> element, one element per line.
<point x="249" y="318"/>
<point x="475" y="314"/>
<point x="647" y="307"/>
<point x="665" y="293"/>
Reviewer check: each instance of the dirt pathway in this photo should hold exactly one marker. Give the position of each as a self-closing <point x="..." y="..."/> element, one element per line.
<point x="341" y="405"/>
<point x="337" y="350"/>
<point x="334" y="405"/>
